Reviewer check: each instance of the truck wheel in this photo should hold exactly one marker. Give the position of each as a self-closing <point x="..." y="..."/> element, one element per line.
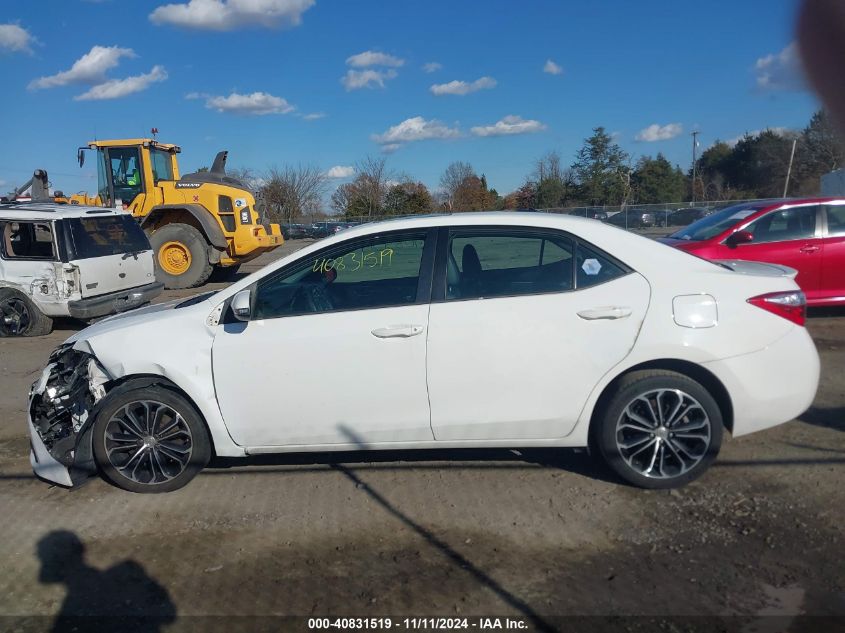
<point x="227" y="273"/>
<point x="181" y="256"/>
<point x="20" y="317"/>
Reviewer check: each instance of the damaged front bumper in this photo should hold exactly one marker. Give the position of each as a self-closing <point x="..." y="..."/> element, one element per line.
<point x="62" y="408"/>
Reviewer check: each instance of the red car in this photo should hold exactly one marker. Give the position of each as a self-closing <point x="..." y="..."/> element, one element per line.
<point x="805" y="234"/>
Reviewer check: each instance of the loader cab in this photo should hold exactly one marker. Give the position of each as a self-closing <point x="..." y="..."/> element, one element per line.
<point x="128" y="171"/>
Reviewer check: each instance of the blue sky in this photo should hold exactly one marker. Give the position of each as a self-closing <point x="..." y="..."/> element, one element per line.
<point x="245" y="75"/>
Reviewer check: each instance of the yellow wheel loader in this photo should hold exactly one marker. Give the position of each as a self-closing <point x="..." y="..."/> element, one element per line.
<point x="197" y="223"/>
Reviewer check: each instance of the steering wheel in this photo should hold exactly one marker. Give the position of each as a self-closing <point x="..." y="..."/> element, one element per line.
<point x="315" y="296"/>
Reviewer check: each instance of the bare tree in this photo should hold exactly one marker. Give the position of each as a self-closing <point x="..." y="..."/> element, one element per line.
<point x="453" y="179"/>
<point x="372" y="179"/>
<point x="548" y="168"/>
<point x="292" y="192"/>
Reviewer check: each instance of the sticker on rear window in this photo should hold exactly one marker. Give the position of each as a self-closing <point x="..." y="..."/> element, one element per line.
<point x="741" y="215"/>
<point x="591" y="266"/>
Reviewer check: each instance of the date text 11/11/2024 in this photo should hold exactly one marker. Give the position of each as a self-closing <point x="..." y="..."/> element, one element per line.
<point x="430" y="623"/>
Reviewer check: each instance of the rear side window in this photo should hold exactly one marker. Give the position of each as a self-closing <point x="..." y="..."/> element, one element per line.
<point x="501" y="263"/>
<point x="106" y="235"/>
<point x="835" y="219"/>
<point x="797" y="223"/>
<point x="28" y="240"/>
<point x="594" y="267"/>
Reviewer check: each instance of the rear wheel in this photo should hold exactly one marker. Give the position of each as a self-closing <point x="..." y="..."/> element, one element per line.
<point x="150" y="439"/>
<point x="181" y="256"/>
<point x="659" y="429"/>
<point x="20" y="317"/>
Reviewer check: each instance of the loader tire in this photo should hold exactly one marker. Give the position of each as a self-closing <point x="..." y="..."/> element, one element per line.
<point x="181" y="256"/>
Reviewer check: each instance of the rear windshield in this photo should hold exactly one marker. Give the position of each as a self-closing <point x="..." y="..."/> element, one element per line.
<point x="107" y="235"/>
<point x="721" y="221"/>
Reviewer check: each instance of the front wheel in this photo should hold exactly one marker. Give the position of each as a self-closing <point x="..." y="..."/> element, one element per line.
<point x="150" y="439"/>
<point x="181" y="256"/>
<point x="659" y="429"/>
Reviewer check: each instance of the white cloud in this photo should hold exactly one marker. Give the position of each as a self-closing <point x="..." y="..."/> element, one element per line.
<point x="390" y="147"/>
<point x="313" y="116"/>
<point x="780" y="71"/>
<point x="511" y="124"/>
<point x="432" y="67"/>
<point x="228" y="15"/>
<point x="462" y="87"/>
<point x="414" y="129"/>
<point x="117" y="88"/>
<point x="15" y="38"/>
<point x="257" y="103"/>
<point x="657" y="132"/>
<point x="551" y="68"/>
<point x="373" y="58"/>
<point x="89" y="69"/>
<point x="357" y="79"/>
<point x="341" y="171"/>
<point x="780" y="131"/>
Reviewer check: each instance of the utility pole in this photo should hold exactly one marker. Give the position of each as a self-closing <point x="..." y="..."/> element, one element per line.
<point x="694" y="147"/>
<point x="789" y="170"/>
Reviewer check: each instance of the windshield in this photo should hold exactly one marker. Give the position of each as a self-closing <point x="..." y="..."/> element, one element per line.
<point x="107" y="235"/>
<point x="712" y="225"/>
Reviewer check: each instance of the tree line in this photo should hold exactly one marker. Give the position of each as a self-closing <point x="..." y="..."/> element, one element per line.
<point x="602" y="173"/>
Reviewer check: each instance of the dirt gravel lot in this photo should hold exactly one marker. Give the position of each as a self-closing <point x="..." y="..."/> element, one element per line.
<point x="530" y="534"/>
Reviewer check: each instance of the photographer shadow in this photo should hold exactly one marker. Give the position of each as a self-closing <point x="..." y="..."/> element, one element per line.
<point x="121" y="598"/>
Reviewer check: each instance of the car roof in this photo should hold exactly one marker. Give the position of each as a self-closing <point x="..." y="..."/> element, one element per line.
<point x="51" y="211"/>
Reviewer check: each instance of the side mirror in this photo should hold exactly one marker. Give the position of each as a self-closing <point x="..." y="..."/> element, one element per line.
<point x="740" y="237"/>
<point x="240" y="305"/>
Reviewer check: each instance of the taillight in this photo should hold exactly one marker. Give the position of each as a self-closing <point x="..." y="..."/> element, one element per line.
<point x="789" y="305"/>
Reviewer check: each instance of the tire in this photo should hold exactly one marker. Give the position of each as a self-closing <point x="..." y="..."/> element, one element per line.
<point x="222" y="274"/>
<point x="626" y="442"/>
<point x="20" y="317"/>
<point x="169" y="455"/>
<point x="181" y="256"/>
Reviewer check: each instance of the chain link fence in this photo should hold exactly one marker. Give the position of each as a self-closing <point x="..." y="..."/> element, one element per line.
<point x="651" y="219"/>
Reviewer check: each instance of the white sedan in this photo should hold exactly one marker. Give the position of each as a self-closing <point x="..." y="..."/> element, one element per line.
<point x="455" y="331"/>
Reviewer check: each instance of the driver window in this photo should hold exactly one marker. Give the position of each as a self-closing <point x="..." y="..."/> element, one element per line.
<point x="126" y="173"/>
<point x="374" y="273"/>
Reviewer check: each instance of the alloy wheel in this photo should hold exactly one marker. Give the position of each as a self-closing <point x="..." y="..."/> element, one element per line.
<point x="15" y="317"/>
<point x="148" y="442"/>
<point x="663" y="433"/>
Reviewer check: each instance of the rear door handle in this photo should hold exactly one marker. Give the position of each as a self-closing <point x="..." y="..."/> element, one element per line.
<point x="810" y="248"/>
<point x="398" y="331"/>
<point x="605" y="312"/>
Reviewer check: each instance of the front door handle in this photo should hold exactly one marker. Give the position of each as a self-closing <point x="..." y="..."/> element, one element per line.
<point x="398" y="331"/>
<point x="809" y="248"/>
<point x="605" y="312"/>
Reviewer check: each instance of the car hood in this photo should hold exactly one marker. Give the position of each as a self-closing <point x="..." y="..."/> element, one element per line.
<point x="684" y="245"/>
<point x="133" y="318"/>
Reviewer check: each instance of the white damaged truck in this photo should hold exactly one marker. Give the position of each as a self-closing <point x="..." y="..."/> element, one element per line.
<point x="60" y="260"/>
